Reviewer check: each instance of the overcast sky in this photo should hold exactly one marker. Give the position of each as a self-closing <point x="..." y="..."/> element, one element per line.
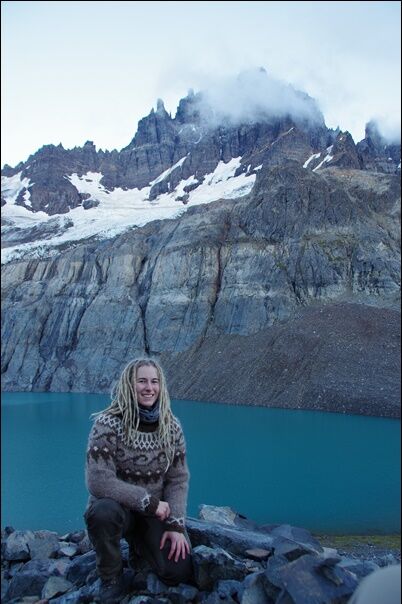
<point x="78" y="71"/>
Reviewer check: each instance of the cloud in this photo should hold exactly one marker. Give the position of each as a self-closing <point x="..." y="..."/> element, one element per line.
<point x="252" y="96"/>
<point x="389" y="127"/>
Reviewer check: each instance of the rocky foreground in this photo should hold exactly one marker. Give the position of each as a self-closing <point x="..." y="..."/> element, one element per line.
<point x="235" y="562"/>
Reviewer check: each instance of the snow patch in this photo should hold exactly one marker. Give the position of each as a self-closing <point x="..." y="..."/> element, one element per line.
<point x="326" y="159"/>
<point x="168" y="171"/>
<point x="119" y="210"/>
<point x="11" y="187"/>
<point x="310" y="159"/>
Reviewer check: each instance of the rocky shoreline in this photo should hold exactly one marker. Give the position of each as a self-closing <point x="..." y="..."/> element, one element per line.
<point x="235" y="560"/>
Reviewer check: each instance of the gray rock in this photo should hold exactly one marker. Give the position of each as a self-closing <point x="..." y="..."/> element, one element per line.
<point x="154" y="585"/>
<point x="234" y="539"/>
<point x="44" y="545"/>
<point x="84" y="545"/>
<point x="221" y="515"/>
<point x="18" y="545"/>
<point x="80" y="567"/>
<point x="292" y="549"/>
<point x="55" y="586"/>
<point x="26" y="583"/>
<point x="360" y="568"/>
<point x="188" y="592"/>
<point x="75" y="597"/>
<point x="257" y="554"/>
<point x="228" y="587"/>
<point x="256" y="588"/>
<point x="15" y="568"/>
<point x="214" y="564"/>
<point x="295" y="533"/>
<point x="215" y="598"/>
<point x="68" y="549"/>
<point x="4" y="587"/>
<point x="313" y="580"/>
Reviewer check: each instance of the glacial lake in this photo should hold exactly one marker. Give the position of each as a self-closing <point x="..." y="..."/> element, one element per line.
<point x="327" y="472"/>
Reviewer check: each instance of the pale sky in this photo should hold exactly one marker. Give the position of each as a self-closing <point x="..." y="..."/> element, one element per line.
<point x="78" y="71"/>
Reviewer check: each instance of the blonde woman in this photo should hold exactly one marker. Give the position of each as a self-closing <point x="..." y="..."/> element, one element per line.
<point x="137" y="477"/>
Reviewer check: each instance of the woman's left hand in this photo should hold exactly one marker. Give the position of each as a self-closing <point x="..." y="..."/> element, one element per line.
<point x="178" y="545"/>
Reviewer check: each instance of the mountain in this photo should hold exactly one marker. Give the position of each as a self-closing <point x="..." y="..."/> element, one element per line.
<point x="257" y="254"/>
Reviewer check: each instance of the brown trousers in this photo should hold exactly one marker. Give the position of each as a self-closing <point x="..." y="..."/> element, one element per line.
<point x="108" y="522"/>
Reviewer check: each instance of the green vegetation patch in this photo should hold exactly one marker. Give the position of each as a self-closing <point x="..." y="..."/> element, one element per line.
<point x="351" y="541"/>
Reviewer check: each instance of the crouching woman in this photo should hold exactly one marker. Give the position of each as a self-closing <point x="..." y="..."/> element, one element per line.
<point x="137" y="477"/>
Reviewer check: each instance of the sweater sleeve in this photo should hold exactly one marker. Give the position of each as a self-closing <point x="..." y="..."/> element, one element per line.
<point x="176" y="484"/>
<point x="100" y="473"/>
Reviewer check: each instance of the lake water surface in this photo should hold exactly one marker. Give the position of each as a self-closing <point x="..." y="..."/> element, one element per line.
<point x="326" y="472"/>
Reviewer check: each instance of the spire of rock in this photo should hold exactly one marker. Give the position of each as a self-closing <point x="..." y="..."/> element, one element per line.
<point x="372" y="132"/>
<point x="160" y="107"/>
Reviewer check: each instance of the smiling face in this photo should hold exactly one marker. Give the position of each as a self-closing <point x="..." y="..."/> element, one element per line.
<point x="147" y="385"/>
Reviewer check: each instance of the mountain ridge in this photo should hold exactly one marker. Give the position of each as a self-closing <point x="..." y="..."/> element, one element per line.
<point x="235" y="244"/>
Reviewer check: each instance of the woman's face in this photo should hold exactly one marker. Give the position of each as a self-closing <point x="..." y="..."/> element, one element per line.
<point x="147" y="385"/>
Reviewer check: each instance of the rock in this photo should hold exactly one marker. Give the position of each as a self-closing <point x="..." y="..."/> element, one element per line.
<point x="84" y="545"/>
<point x="214" y="598"/>
<point x="55" y="586"/>
<point x="257" y="554"/>
<point x="316" y="576"/>
<point x="155" y="585"/>
<point x="228" y="587"/>
<point x="187" y="592"/>
<point x="75" y="597"/>
<point x="18" y="545"/>
<point x="294" y="533"/>
<point x="26" y="583"/>
<point x="44" y="545"/>
<point x="214" y="564"/>
<point x="76" y="537"/>
<point x="360" y="568"/>
<point x="80" y="567"/>
<point x="235" y="540"/>
<point x="15" y="568"/>
<point x="256" y="589"/>
<point x="311" y="580"/>
<point x="220" y="515"/>
<point x="292" y="549"/>
<point x="68" y="549"/>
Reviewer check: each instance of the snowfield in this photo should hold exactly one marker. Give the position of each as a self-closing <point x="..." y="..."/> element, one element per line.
<point x="117" y="211"/>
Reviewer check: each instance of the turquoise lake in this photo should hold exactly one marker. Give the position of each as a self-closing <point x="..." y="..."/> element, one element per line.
<point x="324" y="471"/>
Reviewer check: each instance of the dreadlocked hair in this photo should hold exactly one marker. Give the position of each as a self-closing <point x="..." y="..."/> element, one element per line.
<point x="125" y="404"/>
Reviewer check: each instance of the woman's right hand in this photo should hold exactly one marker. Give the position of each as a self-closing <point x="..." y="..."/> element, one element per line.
<point x="163" y="510"/>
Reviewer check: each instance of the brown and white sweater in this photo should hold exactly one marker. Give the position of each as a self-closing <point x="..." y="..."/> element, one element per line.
<point x="135" y="474"/>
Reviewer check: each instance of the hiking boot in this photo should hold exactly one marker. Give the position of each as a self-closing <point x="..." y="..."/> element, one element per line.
<point x="111" y="591"/>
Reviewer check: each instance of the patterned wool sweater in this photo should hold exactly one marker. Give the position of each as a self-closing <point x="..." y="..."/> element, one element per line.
<point x="135" y="474"/>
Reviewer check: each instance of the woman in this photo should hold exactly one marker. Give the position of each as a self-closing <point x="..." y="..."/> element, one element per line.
<point x="137" y="477"/>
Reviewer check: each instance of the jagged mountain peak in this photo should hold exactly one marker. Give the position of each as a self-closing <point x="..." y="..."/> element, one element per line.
<point x="214" y="146"/>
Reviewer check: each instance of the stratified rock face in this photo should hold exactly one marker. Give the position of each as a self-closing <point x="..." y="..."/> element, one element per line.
<point x="228" y="269"/>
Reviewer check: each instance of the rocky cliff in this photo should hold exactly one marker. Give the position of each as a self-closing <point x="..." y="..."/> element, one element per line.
<point x="249" y="281"/>
<point x="284" y="291"/>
